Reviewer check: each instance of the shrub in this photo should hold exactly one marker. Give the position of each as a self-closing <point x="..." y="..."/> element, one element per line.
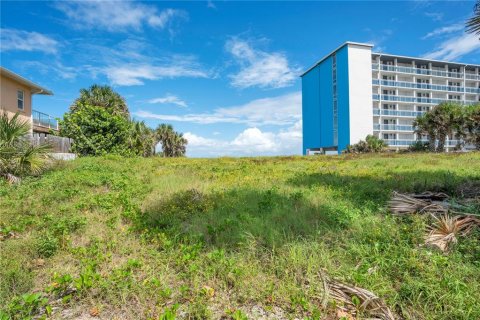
<point x="96" y="131"/>
<point x="371" y="144"/>
<point x="419" y="146"/>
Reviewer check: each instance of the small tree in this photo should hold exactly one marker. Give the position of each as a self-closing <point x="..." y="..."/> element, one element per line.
<point x="445" y="120"/>
<point x="173" y="143"/>
<point x="142" y="139"/>
<point x="102" y="96"/>
<point x="96" y="131"/>
<point x="371" y="144"/>
<point x="471" y="118"/>
<point x="424" y="127"/>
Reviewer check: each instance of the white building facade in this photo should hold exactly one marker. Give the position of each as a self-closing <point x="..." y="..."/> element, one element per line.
<point x="384" y="93"/>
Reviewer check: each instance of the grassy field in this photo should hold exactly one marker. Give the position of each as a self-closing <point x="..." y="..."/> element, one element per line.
<point x="135" y="238"/>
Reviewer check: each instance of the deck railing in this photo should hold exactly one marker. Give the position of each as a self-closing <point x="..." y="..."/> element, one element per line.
<point x="44" y="120"/>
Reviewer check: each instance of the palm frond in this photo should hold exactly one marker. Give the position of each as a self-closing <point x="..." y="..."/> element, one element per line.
<point x="12" y="129"/>
<point x="444" y="232"/>
<point x="473" y="24"/>
<point x="345" y="295"/>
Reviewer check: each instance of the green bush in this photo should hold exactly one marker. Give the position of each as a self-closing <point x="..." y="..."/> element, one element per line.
<point x="96" y="131"/>
<point x="419" y="146"/>
<point x="371" y="144"/>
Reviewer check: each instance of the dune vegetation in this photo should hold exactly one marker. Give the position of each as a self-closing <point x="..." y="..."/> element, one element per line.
<point x="162" y="238"/>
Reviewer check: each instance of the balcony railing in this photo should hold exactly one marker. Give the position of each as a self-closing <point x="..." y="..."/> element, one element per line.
<point x="411" y="99"/>
<point x="424" y="86"/>
<point x="429" y="72"/>
<point x="399" y="113"/>
<point x="395" y="142"/>
<point x="44" y="120"/>
<point x="392" y="127"/>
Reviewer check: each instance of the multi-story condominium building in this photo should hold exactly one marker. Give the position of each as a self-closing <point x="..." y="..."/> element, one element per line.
<point x="354" y="92"/>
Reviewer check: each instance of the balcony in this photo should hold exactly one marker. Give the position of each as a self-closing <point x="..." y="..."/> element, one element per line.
<point x="406" y="143"/>
<point x="411" y="99"/>
<point x="423" y="86"/>
<point x="398" y="113"/>
<point x="429" y="72"/>
<point x="392" y="127"/>
<point x="43" y="122"/>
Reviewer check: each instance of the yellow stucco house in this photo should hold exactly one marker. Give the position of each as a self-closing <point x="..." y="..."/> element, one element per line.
<point x="16" y="96"/>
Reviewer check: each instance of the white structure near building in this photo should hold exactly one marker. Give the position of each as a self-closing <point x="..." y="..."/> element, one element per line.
<point x="353" y="92"/>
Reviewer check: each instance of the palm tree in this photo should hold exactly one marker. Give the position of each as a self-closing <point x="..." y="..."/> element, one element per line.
<point x="375" y="144"/>
<point x="179" y="145"/>
<point x="445" y="120"/>
<point x="173" y="143"/>
<point x="18" y="156"/>
<point x="472" y="124"/>
<point x="473" y="24"/>
<point x="423" y="127"/>
<point x="102" y="96"/>
<point x="142" y="139"/>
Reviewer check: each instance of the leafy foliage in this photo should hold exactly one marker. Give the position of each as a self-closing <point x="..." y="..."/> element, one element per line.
<point x="99" y="122"/>
<point x="173" y="143"/>
<point x="371" y="144"/>
<point x="419" y="146"/>
<point x="104" y="97"/>
<point x="96" y="131"/>
<point x="471" y="122"/>
<point x="18" y="156"/>
<point x="449" y="120"/>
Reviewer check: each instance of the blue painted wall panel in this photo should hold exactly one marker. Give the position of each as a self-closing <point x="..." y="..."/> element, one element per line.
<point x="326" y="103"/>
<point x="317" y="104"/>
<point x="311" y="109"/>
<point x="343" y="99"/>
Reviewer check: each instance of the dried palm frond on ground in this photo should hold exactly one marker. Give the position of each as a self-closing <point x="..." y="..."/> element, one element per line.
<point x="401" y="204"/>
<point x="446" y="229"/>
<point x="352" y="300"/>
<point x="450" y="218"/>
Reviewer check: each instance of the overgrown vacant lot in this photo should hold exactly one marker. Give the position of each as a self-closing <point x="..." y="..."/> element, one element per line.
<point x="134" y="238"/>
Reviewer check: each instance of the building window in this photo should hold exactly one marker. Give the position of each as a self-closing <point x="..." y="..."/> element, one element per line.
<point x="20" y="99"/>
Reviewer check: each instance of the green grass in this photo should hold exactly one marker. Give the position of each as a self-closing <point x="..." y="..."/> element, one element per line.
<point x="205" y="238"/>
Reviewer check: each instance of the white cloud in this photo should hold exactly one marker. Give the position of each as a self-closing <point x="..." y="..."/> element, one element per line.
<point x="252" y="141"/>
<point x="201" y="142"/>
<point x="54" y="69"/>
<point x="280" y="110"/>
<point x="444" y="30"/>
<point x="116" y="15"/>
<point x="13" y="39"/>
<point x="135" y="73"/>
<point x="455" y="47"/>
<point x="260" y="68"/>
<point x="169" y="99"/>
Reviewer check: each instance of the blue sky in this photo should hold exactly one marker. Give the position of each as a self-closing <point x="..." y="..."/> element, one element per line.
<point x="224" y="73"/>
